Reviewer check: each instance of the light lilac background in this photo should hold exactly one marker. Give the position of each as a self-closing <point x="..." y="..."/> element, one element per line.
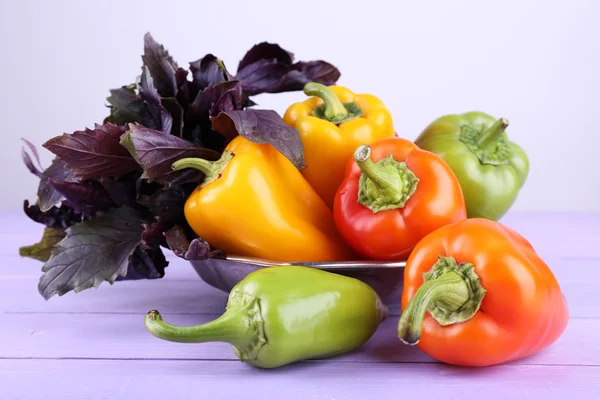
<point x="533" y="62"/>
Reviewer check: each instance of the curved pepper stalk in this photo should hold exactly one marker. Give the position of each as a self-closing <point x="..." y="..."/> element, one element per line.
<point x="451" y="293"/>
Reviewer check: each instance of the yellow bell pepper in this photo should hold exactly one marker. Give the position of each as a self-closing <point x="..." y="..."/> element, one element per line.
<point x="332" y="124"/>
<point x="254" y="202"/>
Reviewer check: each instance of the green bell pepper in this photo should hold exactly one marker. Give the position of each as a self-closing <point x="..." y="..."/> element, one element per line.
<point x="490" y="168"/>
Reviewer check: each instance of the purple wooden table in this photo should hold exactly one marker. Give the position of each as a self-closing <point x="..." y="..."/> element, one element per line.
<point x="93" y="345"/>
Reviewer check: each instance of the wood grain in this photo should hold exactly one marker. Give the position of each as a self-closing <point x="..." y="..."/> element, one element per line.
<point x="123" y="336"/>
<point x="93" y="345"/>
<point x="215" y="380"/>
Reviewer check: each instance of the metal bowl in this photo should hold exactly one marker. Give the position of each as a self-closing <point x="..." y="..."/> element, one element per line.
<point x="386" y="278"/>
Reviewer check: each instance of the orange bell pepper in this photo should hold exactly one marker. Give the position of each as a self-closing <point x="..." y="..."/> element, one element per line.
<point x="477" y="294"/>
<point x="332" y="124"/>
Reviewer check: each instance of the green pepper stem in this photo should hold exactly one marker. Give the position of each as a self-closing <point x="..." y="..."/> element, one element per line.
<point x="211" y="169"/>
<point x="334" y="109"/>
<point x="451" y="289"/>
<point x="207" y="167"/>
<point x="493" y="133"/>
<point x="378" y="174"/>
<point x="229" y="328"/>
<point x="452" y="294"/>
<point x="241" y="325"/>
<point x="385" y="185"/>
<point x="221" y="66"/>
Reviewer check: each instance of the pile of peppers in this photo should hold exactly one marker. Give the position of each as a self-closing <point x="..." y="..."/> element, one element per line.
<point x="475" y="292"/>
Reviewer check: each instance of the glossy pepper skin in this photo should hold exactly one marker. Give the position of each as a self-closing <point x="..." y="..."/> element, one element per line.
<point x="254" y="202"/>
<point x="280" y="315"/>
<point x="490" y="168"/>
<point x="332" y="124"/>
<point x="393" y="195"/>
<point x="488" y="297"/>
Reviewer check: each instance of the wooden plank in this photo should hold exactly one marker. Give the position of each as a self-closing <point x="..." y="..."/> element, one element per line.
<point x="99" y="379"/>
<point x="137" y="297"/>
<point x="184" y="292"/>
<point x="554" y="223"/>
<point x="124" y="336"/>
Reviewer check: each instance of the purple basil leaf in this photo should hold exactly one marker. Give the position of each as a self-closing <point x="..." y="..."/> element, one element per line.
<point x="153" y="233"/>
<point x="166" y="202"/>
<point x="269" y="76"/>
<point x="268" y="51"/>
<point x="262" y="76"/>
<point x="57" y="217"/>
<point x="145" y="264"/>
<point x="126" y="106"/>
<point x="197" y="249"/>
<point x="94" y="153"/>
<point x="262" y="126"/>
<point x="200" y="250"/>
<point x="176" y="112"/>
<point x="186" y="90"/>
<point x="209" y="70"/>
<point x="86" y="197"/>
<point x="122" y="191"/>
<point x="229" y="101"/>
<point x="158" y="116"/>
<point x="223" y="96"/>
<point x="48" y="196"/>
<point x="156" y="152"/>
<point x="268" y="68"/>
<point x="31" y="166"/>
<point x="303" y="72"/>
<point x="161" y="66"/>
<point x="93" y="251"/>
<point x="177" y="240"/>
<point x="309" y="71"/>
<point x="181" y="77"/>
<point x="147" y="108"/>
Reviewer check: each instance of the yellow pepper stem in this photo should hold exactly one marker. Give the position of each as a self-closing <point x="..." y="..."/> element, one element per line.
<point x="332" y="109"/>
<point x="211" y="169"/>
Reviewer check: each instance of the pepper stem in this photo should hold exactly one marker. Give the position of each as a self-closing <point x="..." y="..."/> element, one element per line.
<point x="228" y="328"/>
<point x="332" y="109"/>
<point x="493" y="133"/>
<point x="211" y="169"/>
<point x="384" y="185"/>
<point x="241" y="326"/>
<point x="452" y="293"/>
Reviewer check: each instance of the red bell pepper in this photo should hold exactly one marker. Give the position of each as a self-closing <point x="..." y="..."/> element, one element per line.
<point x="393" y="195"/>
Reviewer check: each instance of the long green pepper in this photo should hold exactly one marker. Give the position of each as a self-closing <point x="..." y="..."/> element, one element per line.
<point x="279" y="315"/>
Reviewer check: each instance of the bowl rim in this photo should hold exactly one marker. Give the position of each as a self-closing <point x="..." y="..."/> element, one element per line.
<point x="330" y="265"/>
